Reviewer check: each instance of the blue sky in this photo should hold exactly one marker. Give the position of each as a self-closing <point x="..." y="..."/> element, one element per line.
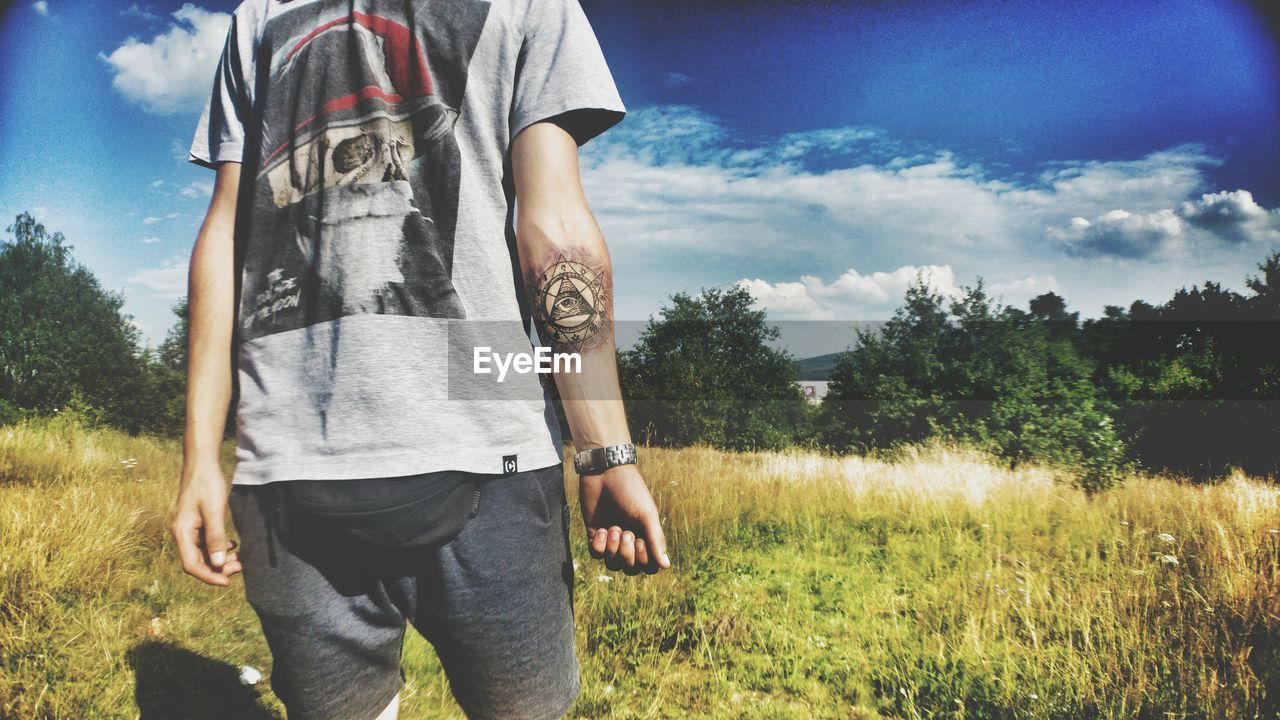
<point x="819" y="153"/>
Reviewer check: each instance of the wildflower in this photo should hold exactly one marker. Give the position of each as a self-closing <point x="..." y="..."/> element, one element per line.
<point x="1124" y="523"/>
<point x="817" y="641"/>
<point x="1169" y="560"/>
<point x="1274" y="531"/>
<point x="1165" y="538"/>
<point x="608" y="689"/>
<point x="673" y="483"/>
<point x="603" y="578"/>
<point x="250" y="675"/>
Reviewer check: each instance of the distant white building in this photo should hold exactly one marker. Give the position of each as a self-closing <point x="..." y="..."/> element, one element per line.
<point x="814" y="390"/>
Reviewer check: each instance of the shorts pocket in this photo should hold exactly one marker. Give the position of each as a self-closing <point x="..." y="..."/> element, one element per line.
<point x="548" y="484"/>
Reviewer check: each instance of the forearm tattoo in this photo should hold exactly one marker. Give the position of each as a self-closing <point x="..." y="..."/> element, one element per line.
<point x="571" y="303"/>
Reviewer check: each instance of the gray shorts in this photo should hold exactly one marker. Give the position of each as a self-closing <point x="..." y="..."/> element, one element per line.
<point x="496" y="603"/>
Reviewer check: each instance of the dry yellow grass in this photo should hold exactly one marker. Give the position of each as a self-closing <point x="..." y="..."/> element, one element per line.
<point x="935" y="584"/>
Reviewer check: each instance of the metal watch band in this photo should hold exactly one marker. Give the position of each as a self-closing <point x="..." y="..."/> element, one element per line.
<point x="597" y="460"/>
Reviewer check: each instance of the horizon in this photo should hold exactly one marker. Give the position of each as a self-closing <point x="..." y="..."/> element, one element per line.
<point x="1105" y="153"/>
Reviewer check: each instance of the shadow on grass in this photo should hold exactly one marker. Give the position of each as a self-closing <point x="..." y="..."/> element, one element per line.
<point x="173" y="683"/>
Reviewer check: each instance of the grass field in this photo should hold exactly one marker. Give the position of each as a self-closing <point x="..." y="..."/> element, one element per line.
<point x="932" y="585"/>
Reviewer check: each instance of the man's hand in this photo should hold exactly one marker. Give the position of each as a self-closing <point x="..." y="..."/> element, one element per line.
<point x="199" y="529"/>
<point x="622" y="521"/>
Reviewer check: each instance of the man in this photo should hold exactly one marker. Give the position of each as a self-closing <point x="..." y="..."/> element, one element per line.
<point x="361" y="247"/>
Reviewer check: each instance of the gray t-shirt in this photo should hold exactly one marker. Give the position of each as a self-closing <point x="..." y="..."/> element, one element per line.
<point x="374" y="232"/>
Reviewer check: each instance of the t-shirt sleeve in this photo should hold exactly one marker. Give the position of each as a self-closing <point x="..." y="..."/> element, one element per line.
<point x="220" y="133"/>
<point x="561" y="73"/>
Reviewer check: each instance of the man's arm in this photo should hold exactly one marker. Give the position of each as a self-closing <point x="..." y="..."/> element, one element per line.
<point x="198" y="521"/>
<point x="557" y="238"/>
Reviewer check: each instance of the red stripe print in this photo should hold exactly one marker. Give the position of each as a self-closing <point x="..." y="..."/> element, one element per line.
<point x="406" y="61"/>
<point x="342" y="103"/>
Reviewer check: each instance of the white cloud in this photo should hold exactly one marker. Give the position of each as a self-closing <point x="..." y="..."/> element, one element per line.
<point x="1209" y="222"/>
<point x="169" y="281"/>
<point x="180" y="150"/>
<point x="150" y="240"/>
<point x="1234" y="217"/>
<point x="1144" y="185"/>
<point x="41" y="7"/>
<point x="852" y="296"/>
<point x="1120" y="233"/>
<point x="675" y="79"/>
<point x="172" y="72"/>
<point x="150" y="220"/>
<point x="197" y="189"/>
<point x="875" y="296"/>
<point x="1017" y="292"/>
<point x="686" y="201"/>
<point x="144" y="13"/>
<point x="678" y="179"/>
<point x="675" y="187"/>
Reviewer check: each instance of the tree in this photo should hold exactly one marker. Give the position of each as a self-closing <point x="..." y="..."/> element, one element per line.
<point x="173" y="351"/>
<point x="1195" y="380"/>
<point x="703" y="372"/>
<point x="60" y="330"/>
<point x="1008" y="381"/>
<point x="884" y="391"/>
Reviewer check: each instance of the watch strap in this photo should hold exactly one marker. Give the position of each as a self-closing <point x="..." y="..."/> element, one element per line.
<point x="597" y="460"/>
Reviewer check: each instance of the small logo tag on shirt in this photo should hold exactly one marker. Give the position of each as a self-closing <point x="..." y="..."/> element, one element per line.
<point x="509" y="465"/>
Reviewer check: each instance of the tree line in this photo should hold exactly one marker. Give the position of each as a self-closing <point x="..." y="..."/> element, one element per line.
<point x="1190" y="386"/>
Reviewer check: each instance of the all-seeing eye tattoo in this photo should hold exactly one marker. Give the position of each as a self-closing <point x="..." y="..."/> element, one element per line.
<point x="571" y="304"/>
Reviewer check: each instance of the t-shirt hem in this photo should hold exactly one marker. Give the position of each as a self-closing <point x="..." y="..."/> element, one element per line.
<point x="590" y="118"/>
<point x="226" y="152"/>
<point x="485" y="461"/>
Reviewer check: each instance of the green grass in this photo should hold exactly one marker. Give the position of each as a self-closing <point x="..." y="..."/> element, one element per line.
<point x="934" y="585"/>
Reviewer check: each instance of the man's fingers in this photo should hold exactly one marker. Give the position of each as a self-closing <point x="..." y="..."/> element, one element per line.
<point x="612" y="558"/>
<point x="599" y="537"/>
<point x="187" y="535"/>
<point x="657" y="541"/>
<point x="642" y="553"/>
<point x="232" y="565"/>
<point x="215" y="538"/>
<point x="627" y="548"/>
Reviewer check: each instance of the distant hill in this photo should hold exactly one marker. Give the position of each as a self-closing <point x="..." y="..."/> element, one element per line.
<point x="816" y="368"/>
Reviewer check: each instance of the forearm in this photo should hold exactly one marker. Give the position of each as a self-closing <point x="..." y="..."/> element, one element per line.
<point x="211" y="314"/>
<point x="569" y="284"/>
<point x="568" y="280"/>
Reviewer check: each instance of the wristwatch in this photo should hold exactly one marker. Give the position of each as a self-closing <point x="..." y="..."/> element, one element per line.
<point x="597" y="460"/>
